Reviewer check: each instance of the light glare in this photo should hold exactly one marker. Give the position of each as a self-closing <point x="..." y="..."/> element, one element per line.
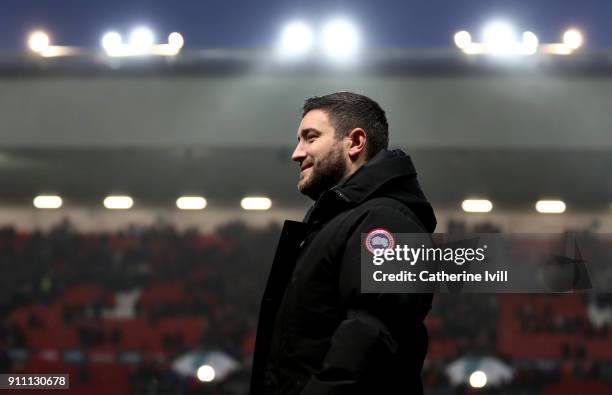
<point x="477" y="206"/>
<point x="478" y="379"/>
<point x="38" y="41"/>
<point x="531" y="42"/>
<point x="550" y="206"/>
<point x="499" y="36"/>
<point x="118" y="202"/>
<point x="191" y="203"/>
<point x="573" y="38"/>
<point x="111" y="41"/>
<point x="463" y="39"/>
<point x="206" y="373"/>
<point x="175" y="40"/>
<point x="47" y="202"/>
<point x="142" y="39"/>
<point x="256" y="203"/>
<point x="340" y="39"/>
<point x="296" y="39"/>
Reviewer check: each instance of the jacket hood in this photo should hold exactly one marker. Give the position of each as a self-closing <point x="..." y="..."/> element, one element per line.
<point x="388" y="174"/>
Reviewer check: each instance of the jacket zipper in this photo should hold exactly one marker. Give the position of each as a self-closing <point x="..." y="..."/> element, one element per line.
<point x="342" y="196"/>
<point x="282" y="321"/>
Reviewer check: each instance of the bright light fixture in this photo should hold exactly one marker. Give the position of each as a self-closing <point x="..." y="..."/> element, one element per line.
<point x="47" y="201"/>
<point x="39" y="41"/>
<point x="530" y="42"/>
<point x="141" y="42"/>
<point x="256" y="203"/>
<point x="550" y="206"/>
<point x="111" y="42"/>
<point x="296" y="39"/>
<point x="463" y="39"/>
<point x="477" y="206"/>
<point x="499" y="37"/>
<point x="118" y="202"/>
<point x="175" y="40"/>
<point x="340" y="39"/>
<point x="573" y="39"/>
<point x="191" y="203"/>
<point x="142" y="39"/>
<point x="206" y="373"/>
<point x="478" y="379"/>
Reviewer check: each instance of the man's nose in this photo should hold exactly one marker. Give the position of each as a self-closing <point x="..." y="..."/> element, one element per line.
<point x="298" y="154"/>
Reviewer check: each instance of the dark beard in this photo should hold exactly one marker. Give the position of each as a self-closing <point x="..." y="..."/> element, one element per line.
<point x="325" y="174"/>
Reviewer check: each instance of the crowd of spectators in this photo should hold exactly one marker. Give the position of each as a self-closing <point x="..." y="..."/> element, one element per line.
<point x="221" y="277"/>
<point x="551" y="320"/>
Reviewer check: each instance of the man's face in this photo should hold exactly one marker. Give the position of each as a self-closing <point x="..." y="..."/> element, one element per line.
<point x="322" y="157"/>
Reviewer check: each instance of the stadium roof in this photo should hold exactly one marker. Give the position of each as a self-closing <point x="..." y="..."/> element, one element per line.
<point x="512" y="179"/>
<point x="391" y="60"/>
<point x="512" y="133"/>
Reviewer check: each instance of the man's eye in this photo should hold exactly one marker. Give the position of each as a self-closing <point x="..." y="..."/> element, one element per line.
<point x="310" y="137"/>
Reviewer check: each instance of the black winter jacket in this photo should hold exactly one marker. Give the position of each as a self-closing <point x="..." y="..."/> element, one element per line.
<point x="317" y="333"/>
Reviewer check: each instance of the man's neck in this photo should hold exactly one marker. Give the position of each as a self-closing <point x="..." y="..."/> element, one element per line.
<point x="352" y="170"/>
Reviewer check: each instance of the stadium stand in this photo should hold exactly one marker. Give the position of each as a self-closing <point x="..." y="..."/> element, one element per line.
<point x="114" y="310"/>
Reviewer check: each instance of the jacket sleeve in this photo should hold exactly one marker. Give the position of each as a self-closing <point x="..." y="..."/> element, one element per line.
<point x="366" y="340"/>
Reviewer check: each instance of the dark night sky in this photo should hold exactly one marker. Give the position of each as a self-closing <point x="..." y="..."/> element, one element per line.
<point x="232" y="23"/>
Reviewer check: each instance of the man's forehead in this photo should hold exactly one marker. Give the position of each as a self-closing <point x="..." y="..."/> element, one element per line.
<point x="315" y="119"/>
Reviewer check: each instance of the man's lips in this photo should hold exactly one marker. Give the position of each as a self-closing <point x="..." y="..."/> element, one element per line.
<point x="304" y="167"/>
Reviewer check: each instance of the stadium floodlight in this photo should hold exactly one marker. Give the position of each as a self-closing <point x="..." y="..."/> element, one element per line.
<point x="340" y="40"/>
<point x="112" y="42"/>
<point x="573" y="39"/>
<point x="47" y="202"/>
<point x="550" y="206"/>
<point x="118" y="202"/>
<point x="175" y="40"/>
<point x="39" y="41"/>
<point x="191" y="203"/>
<point x="499" y="37"/>
<point x="463" y="39"/>
<point x="296" y="39"/>
<point x="142" y="39"/>
<point x="205" y="373"/>
<point x="141" y="42"/>
<point x="477" y="206"/>
<point x="256" y="203"/>
<point x="530" y="43"/>
<point x="478" y="379"/>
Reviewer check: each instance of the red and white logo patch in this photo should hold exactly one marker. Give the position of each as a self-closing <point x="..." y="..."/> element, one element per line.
<point x="378" y="239"/>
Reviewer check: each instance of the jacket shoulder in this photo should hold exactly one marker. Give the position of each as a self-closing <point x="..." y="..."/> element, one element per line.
<point x="385" y="206"/>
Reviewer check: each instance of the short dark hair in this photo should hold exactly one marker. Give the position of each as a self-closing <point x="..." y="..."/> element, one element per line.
<point x="347" y="111"/>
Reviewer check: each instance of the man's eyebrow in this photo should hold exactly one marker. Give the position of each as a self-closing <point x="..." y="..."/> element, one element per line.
<point x="305" y="131"/>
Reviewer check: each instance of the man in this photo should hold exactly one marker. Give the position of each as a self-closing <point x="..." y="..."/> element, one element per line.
<point x="317" y="333"/>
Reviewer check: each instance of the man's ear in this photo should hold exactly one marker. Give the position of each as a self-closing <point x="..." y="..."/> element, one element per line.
<point x="356" y="143"/>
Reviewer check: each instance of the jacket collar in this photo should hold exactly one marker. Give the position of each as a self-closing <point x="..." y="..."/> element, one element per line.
<point x="378" y="172"/>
